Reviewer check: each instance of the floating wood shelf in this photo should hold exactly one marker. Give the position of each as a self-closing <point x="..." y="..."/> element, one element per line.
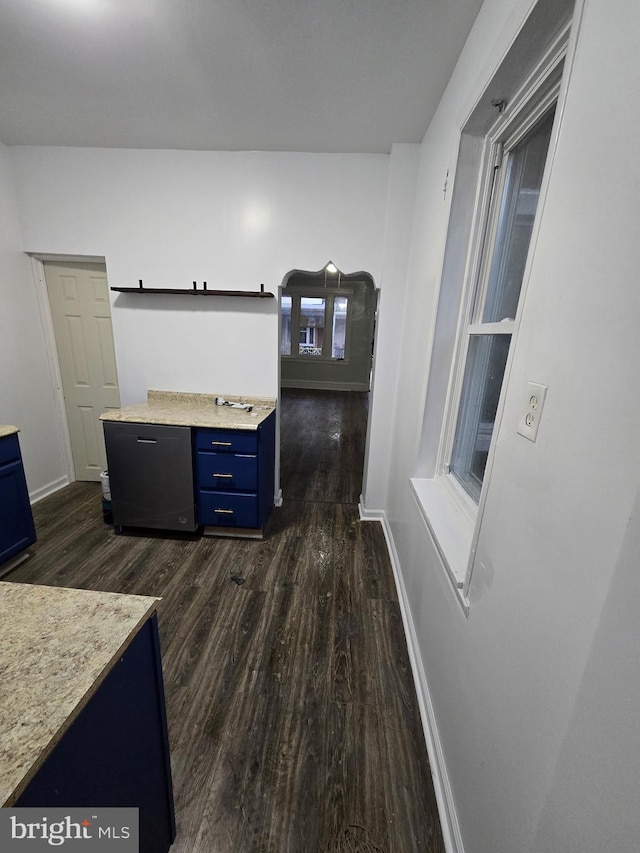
<point x="195" y="291"/>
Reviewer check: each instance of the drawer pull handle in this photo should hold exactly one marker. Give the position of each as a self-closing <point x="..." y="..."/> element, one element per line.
<point x="225" y="511"/>
<point x="222" y="475"/>
<point x="222" y="443"/>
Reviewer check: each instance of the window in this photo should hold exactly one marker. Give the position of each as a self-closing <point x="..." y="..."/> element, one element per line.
<point x="502" y="158"/>
<point x="285" y="335"/>
<point x="339" y="331"/>
<point x="322" y="324"/>
<point x="312" y="316"/>
<point x="513" y="200"/>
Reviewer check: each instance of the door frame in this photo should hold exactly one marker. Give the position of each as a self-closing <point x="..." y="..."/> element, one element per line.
<point x="350" y="284"/>
<point x="38" y="260"/>
<point x="374" y="328"/>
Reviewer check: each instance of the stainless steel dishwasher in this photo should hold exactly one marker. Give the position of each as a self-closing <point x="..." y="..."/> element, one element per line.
<point x="150" y="475"/>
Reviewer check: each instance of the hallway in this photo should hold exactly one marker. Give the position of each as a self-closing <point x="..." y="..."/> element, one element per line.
<point x="293" y="720"/>
<point x="322" y="441"/>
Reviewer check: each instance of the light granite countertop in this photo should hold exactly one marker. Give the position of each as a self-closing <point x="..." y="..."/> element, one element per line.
<point x="7" y="429"/>
<point x="194" y="410"/>
<point x="56" y="647"/>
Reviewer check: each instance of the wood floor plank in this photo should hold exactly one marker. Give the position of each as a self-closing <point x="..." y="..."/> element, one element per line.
<point x="293" y="720"/>
<point x="327" y="429"/>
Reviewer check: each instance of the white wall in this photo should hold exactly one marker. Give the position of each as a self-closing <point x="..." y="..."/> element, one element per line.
<point x="536" y="693"/>
<point x="403" y="169"/>
<point x="26" y="389"/>
<point x="234" y="220"/>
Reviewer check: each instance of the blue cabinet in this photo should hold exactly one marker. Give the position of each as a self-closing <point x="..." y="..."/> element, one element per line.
<point x="116" y="752"/>
<point x="235" y="478"/>
<point x="231" y="472"/>
<point x="17" y="530"/>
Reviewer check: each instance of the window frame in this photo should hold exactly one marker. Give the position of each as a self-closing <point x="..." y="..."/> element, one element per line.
<point x="329" y="295"/>
<point x="314" y="329"/>
<point x="452" y="515"/>
<point x="500" y="144"/>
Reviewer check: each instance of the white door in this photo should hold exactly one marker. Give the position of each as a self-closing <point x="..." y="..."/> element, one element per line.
<point x="79" y="300"/>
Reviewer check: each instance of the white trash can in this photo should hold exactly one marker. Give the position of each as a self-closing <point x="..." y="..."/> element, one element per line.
<point x="106" y="488"/>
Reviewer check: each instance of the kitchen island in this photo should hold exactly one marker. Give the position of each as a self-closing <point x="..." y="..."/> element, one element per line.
<point x="82" y="712"/>
<point x="182" y="461"/>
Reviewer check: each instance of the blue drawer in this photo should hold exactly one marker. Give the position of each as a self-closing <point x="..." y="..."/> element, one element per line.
<point x="9" y="448"/>
<point x="227" y="441"/>
<point x="227" y="471"/>
<point x="227" y="509"/>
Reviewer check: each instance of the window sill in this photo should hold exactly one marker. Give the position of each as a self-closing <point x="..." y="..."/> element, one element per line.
<point x="451" y="527"/>
<point x="315" y="359"/>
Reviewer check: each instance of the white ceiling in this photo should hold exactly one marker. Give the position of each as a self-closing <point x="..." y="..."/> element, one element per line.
<point x="272" y="75"/>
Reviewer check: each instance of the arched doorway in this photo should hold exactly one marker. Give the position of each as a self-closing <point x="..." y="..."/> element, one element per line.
<point x="327" y="326"/>
<point x="327" y="329"/>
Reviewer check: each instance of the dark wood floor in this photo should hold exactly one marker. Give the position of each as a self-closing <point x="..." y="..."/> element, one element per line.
<point x="322" y="436"/>
<point x="292" y="713"/>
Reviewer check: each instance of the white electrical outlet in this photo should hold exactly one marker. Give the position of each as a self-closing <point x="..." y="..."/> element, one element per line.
<point x="532" y="410"/>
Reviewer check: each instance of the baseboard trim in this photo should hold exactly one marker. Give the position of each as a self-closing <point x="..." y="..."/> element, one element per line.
<point x="451" y="833"/>
<point x="44" y="491"/>
<point x="369" y="514"/>
<point x="319" y="385"/>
